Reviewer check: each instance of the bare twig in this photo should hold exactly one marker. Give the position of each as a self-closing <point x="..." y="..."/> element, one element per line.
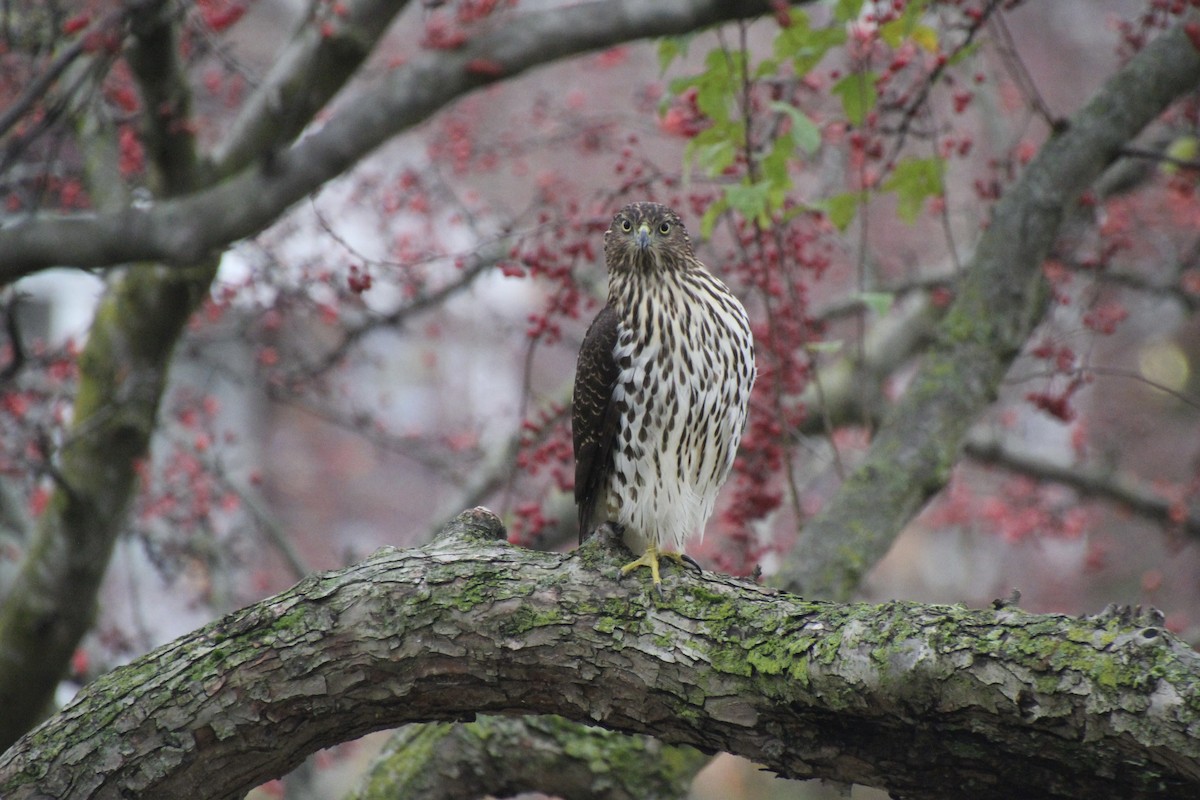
<point x="36" y="89"/>
<point x="1088" y="481"/>
<point x="12" y="328"/>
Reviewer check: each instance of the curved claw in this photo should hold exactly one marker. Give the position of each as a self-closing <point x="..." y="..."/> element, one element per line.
<point x="650" y="559"/>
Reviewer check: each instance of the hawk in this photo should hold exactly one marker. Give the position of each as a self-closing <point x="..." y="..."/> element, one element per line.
<point x="662" y="387"/>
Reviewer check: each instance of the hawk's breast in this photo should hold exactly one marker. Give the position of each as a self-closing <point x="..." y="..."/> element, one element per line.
<point x="684" y="356"/>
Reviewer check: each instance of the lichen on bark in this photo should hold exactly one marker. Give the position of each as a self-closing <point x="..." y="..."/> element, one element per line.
<point x="874" y="694"/>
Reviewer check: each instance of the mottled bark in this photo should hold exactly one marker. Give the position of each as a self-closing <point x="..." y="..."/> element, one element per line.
<point x="923" y="700"/>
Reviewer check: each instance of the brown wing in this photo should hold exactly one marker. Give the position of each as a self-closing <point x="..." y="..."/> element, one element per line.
<point x="594" y="416"/>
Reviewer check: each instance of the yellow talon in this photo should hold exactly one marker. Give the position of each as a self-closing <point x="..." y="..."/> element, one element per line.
<point x="650" y="559"/>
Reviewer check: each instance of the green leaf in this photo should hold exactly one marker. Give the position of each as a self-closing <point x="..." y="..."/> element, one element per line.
<point x="925" y="37"/>
<point x="751" y="200"/>
<point x="775" y="164"/>
<point x="711" y="214"/>
<point x="679" y="85"/>
<point x="858" y="94"/>
<point x="793" y="38"/>
<point x="841" y="208"/>
<point x="878" y="302"/>
<point x="715" y="156"/>
<point x="711" y="99"/>
<point x="907" y="26"/>
<point x="914" y="180"/>
<point x="805" y="132"/>
<point x="716" y="85"/>
<point x="1182" y="148"/>
<point x="962" y="54"/>
<point x="669" y="49"/>
<point x="766" y="68"/>
<point x="832" y="346"/>
<point x="804" y="45"/>
<point x="847" y="10"/>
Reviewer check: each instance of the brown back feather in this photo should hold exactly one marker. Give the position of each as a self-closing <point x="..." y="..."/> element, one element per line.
<point x="594" y="417"/>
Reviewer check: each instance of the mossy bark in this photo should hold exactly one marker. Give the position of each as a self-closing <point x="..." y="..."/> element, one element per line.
<point x="123" y="369"/>
<point x="922" y="700"/>
<point x="502" y="757"/>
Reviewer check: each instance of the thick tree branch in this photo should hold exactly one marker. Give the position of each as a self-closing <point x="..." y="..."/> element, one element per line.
<point x="926" y="701"/>
<point x="154" y="57"/>
<point x="1001" y="297"/>
<point x="125" y="364"/>
<point x="184" y="230"/>
<point x="316" y="64"/>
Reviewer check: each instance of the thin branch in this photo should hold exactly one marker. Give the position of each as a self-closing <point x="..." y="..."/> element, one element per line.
<point x="1113" y="372"/>
<point x="37" y="88"/>
<point x="16" y="343"/>
<point x="918" y="103"/>
<point x="1020" y="74"/>
<point x="264" y="519"/>
<point x="475" y="264"/>
<point x="851" y="389"/>
<point x="1139" y="282"/>
<point x="1089" y="482"/>
<point x="433" y="460"/>
<point x="1161" y="157"/>
<point x="270" y="526"/>
<point x="181" y="231"/>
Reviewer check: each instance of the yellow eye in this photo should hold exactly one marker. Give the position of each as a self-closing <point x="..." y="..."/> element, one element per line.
<point x="626" y="225"/>
<point x="665" y="228"/>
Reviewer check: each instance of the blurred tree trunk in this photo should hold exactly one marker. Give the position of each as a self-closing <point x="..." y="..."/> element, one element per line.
<point x="509" y="756"/>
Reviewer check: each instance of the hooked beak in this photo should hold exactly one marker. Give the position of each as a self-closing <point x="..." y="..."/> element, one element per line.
<point x="643" y="236"/>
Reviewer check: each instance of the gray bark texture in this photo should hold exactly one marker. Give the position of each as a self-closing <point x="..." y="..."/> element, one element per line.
<point x="922" y="700"/>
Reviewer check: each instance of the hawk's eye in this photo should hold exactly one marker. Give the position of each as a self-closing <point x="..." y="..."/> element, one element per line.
<point x="626" y="225"/>
<point x="665" y="228"/>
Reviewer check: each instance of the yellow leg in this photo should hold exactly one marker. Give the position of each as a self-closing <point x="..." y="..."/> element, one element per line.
<point x="650" y="559"/>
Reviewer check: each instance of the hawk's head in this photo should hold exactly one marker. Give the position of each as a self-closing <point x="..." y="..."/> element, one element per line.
<point x="644" y="237"/>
